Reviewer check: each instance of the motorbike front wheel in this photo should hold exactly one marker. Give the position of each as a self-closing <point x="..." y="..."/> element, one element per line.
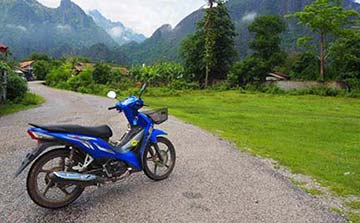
<point x="42" y="190"/>
<point x="154" y="168"/>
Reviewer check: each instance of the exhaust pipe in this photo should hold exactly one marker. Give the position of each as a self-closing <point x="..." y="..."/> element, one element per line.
<point x="76" y="178"/>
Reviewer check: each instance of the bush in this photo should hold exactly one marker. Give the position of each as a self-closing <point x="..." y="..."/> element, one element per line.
<point x="41" y="69"/>
<point x="321" y="91"/>
<point x="183" y="85"/>
<point x="16" y="87"/>
<point x="247" y="71"/>
<point x="60" y="74"/>
<point x="305" y="67"/>
<point x="159" y="74"/>
<point x="221" y="86"/>
<point x="102" y="73"/>
<point x="272" y="89"/>
<point x="31" y="99"/>
<point x="84" y="79"/>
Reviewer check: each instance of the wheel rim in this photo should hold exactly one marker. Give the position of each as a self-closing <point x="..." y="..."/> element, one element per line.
<point x="48" y="190"/>
<point x="155" y="165"/>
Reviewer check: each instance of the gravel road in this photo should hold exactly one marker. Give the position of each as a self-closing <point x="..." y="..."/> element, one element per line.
<point x="212" y="181"/>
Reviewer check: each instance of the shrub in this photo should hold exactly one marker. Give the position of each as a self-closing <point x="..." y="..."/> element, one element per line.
<point x="41" y="69"/>
<point x="83" y="79"/>
<point x="102" y="73"/>
<point x="221" y="86"/>
<point x="183" y="85"/>
<point x="16" y="87"/>
<point x="272" y="89"/>
<point x="60" y="74"/>
<point x="159" y="74"/>
<point x="247" y="71"/>
<point x="305" y="67"/>
<point x="31" y="99"/>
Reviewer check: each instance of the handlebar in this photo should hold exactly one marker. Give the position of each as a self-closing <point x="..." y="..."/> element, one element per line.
<point x="112" y="108"/>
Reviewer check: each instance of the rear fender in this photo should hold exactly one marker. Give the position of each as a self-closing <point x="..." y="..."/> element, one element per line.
<point x="34" y="154"/>
<point x="155" y="133"/>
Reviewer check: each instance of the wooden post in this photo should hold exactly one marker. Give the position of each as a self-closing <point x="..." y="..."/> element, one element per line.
<point x="3" y="75"/>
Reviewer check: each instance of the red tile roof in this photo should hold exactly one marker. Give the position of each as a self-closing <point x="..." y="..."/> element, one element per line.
<point x="26" y="63"/>
<point x="3" y="48"/>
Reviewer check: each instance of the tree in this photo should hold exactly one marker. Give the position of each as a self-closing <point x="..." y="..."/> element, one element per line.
<point x="247" y="71"/>
<point x="210" y="52"/>
<point x="41" y="69"/>
<point x="344" y="57"/>
<point x="39" y="56"/>
<point x="305" y="66"/>
<point x="325" y="17"/>
<point x="267" y="52"/>
<point x="266" y="44"/>
<point x="102" y="73"/>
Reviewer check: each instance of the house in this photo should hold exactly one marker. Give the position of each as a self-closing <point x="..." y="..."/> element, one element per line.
<point x="276" y="76"/>
<point x="27" y="69"/>
<point x="3" y="48"/>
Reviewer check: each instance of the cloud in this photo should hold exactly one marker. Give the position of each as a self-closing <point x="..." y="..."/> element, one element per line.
<point x="142" y="16"/>
<point x="249" y="17"/>
<point x="63" y="28"/>
<point x="18" y="27"/>
<point x="116" y="31"/>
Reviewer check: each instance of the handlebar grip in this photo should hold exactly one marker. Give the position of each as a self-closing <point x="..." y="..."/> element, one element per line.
<point x="112" y="108"/>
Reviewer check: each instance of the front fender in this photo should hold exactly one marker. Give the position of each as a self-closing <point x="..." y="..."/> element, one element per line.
<point x="155" y="133"/>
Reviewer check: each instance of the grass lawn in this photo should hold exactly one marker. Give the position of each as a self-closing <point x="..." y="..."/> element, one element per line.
<point x="29" y="101"/>
<point x="312" y="135"/>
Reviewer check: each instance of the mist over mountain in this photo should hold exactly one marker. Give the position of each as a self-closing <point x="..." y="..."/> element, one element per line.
<point x="164" y="43"/>
<point x="116" y="30"/>
<point x="26" y="26"/>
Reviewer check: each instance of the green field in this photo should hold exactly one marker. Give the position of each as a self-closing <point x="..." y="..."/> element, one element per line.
<point x="29" y="101"/>
<point x="312" y="135"/>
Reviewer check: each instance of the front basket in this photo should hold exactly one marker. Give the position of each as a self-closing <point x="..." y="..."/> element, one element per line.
<point x="158" y="116"/>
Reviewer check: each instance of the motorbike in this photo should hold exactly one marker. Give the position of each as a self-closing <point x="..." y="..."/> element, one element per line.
<point x="70" y="158"/>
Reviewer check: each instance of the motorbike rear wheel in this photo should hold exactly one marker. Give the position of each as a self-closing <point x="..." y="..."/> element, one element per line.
<point x="52" y="196"/>
<point x="153" y="167"/>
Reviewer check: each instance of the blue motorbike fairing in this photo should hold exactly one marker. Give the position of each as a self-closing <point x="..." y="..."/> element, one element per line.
<point x="155" y="134"/>
<point x="95" y="147"/>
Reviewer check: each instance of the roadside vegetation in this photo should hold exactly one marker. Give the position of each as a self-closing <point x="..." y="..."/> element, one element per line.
<point x="18" y="97"/>
<point x="311" y="135"/>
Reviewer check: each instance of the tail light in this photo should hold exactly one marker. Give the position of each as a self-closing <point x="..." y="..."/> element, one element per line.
<point x="39" y="135"/>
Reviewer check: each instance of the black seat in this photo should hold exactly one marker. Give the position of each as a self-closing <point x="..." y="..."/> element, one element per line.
<point x="102" y="131"/>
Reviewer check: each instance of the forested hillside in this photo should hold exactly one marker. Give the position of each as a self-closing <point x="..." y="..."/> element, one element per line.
<point x="26" y="26"/>
<point x="164" y="43"/>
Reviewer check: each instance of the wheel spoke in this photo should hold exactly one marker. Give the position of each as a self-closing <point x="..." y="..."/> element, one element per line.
<point x="45" y="171"/>
<point x="64" y="190"/>
<point x="167" y="166"/>
<point x="47" y="188"/>
<point x="62" y="163"/>
<point x="155" y="168"/>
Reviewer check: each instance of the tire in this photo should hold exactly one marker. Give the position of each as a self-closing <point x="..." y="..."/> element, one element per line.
<point x="149" y="172"/>
<point x="32" y="181"/>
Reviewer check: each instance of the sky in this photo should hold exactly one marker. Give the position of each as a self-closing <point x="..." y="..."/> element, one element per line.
<point x="143" y="16"/>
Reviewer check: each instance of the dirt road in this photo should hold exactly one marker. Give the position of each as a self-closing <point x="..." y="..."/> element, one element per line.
<point x="212" y="181"/>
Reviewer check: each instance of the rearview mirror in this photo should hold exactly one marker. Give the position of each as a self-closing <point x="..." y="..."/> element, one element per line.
<point x="111" y="94"/>
<point x="143" y="88"/>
